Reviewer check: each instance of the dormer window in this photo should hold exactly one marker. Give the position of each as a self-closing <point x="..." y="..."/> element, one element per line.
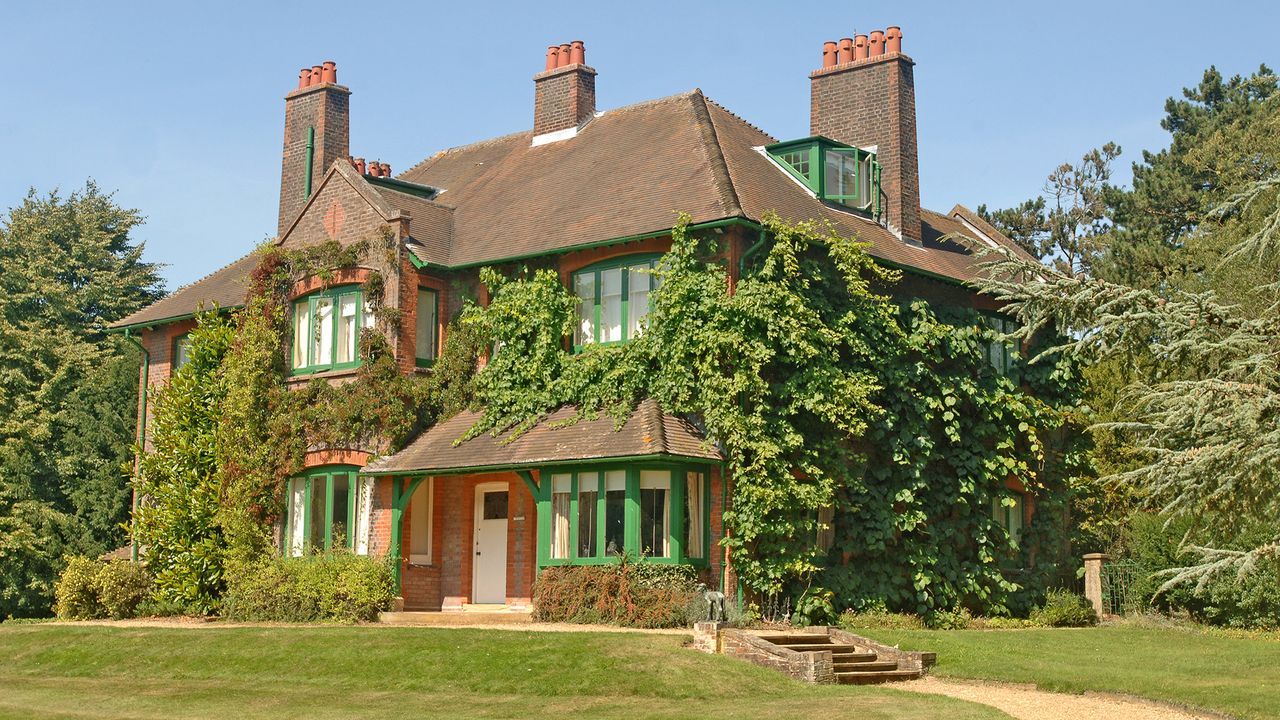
<point x="833" y="171"/>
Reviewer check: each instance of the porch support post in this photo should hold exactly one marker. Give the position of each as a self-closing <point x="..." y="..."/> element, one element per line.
<point x="396" y="516"/>
<point x="527" y="477"/>
<point x="399" y="499"/>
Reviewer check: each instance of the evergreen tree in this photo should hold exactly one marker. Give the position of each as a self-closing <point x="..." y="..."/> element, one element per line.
<point x="68" y="268"/>
<point x="1204" y="409"/>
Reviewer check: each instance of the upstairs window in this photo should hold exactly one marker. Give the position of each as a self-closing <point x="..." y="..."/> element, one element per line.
<point x="326" y="330"/>
<point x="1000" y="353"/>
<point x="428" y="329"/>
<point x="613" y="300"/>
<point x="181" y="351"/>
<point x="835" y="172"/>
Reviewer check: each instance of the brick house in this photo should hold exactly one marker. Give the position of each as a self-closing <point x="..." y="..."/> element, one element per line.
<point x="594" y="194"/>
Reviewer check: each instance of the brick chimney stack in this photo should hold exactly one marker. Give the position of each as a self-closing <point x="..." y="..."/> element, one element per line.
<point x="865" y="95"/>
<point x="564" y="92"/>
<point x="317" y="122"/>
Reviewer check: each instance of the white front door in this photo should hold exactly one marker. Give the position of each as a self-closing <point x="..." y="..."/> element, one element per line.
<point x="489" y="577"/>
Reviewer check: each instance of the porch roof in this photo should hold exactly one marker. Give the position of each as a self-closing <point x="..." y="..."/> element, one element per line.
<point x="647" y="433"/>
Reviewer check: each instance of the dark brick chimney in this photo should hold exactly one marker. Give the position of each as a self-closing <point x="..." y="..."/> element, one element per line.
<point x="564" y="92"/>
<point x="317" y="122"/>
<point x="865" y="95"/>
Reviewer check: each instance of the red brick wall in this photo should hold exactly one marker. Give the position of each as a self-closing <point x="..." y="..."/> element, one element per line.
<point x="327" y="109"/>
<point x="446" y="582"/>
<point x="563" y="98"/>
<point x="159" y="344"/>
<point x="873" y="102"/>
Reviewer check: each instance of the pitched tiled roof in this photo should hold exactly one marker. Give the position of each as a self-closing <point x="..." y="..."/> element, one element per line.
<point x="627" y="172"/>
<point x="223" y="288"/>
<point x="647" y="432"/>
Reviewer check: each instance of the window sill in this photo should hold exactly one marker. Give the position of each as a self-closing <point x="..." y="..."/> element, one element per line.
<point x="295" y="378"/>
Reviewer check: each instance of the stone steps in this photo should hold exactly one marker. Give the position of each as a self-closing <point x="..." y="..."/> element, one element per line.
<point x="850" y="664"/>
<point x="873" y="678"/>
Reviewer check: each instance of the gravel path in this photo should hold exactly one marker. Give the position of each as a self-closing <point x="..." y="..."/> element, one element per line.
<point x="1027" y="703"/>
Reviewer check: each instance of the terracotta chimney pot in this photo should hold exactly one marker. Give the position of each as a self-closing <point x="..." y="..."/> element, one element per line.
<point x="360" y="165"/>
<point x="329" y="72"/>
<point x="893" y="39"/>
<point x="316" y="73"/>
<point x="877" y="43"/>
<point x="563" y="59"/>
<point x="304" y="77"/>
<point x="828" y="54"/>
<point x="577" y="53"/>
<point x="386" y="170"/>
<point x="860" y="47"/>
<point x="552" y="53"/>
<point x="845" y="51"/>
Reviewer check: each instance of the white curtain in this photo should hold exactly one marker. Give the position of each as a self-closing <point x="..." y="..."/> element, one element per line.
<point x="297" y="511"/>
<point x="693" y="500"/>
<point x="364" y="502"/>
<point x="560" y="530"/>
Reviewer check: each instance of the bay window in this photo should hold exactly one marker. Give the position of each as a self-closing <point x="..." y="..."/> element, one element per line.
<point x="327" y="508"/>
<point x="655" y="511"/>
<point x="613" y="300"/>
<point x="326" y="329"/>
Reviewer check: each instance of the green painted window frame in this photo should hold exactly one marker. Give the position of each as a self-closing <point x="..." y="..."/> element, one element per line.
<point x="426" y="362"/>
<point x="334" y="295"/>
<point x="806" y="161"/>
<point x="1001" y="355"/>
<point x="320" y="480"/>
<point x="178" y="342"/>
<point x="677" y="552"/>
<point x="623" y="262"/>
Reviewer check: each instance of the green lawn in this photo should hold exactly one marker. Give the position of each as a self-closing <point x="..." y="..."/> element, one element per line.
<point x="1237" y="675"/>
<point x="64" y="671"/>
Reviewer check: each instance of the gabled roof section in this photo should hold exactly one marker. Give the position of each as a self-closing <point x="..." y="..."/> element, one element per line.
<point x="648" y="432"/>
<point x="224" y="288"/>
<point x="627" y="172"/>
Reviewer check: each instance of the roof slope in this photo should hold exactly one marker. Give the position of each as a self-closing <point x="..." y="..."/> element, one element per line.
<point x="223" y="288"/>
<point x="627" y="172"/>
<point x="647" y="432"/>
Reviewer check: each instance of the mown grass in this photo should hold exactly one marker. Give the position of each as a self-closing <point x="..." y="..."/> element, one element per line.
<point x="1229" y="673"/>
<point x="60" y="671"/>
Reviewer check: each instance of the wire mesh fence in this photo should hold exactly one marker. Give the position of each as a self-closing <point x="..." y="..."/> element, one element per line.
<point x="1118" y="580"/>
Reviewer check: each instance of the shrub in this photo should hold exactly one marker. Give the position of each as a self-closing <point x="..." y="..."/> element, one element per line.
<point x="338" y="587"/>
<point x="814" y="607"/>
<point x="91" y="589"/>
<point x="76" y="594"/>
<point x="122" y="586"/>
<point x="1063" y="608"/>
<point x="629" y="593"/>
<point x="877" y="616"/>
<point x="949" y="619"/>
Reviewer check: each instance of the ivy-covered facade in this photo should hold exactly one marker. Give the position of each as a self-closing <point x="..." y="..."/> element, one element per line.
<point x="364" y="421"/>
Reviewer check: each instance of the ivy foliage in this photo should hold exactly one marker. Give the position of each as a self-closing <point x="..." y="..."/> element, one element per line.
<point x="820" y="390"/>
<point x="231" y="428"/>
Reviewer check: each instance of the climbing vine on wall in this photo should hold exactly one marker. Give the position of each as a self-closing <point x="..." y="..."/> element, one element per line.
<point x="821" y="391"/>
<point x="253" y="430"/>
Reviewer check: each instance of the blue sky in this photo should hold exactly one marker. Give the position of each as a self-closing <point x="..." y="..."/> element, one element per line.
<point x="177" y="107"/>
